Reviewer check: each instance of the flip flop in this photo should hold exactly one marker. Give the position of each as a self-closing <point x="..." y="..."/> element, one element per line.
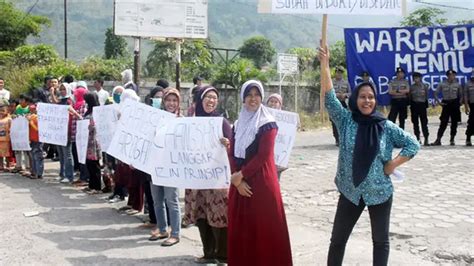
<point x="155" y="237"/>
<point x="170" y="242"/>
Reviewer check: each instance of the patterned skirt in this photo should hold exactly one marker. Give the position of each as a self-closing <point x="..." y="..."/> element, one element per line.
<point x="208" y="204"/>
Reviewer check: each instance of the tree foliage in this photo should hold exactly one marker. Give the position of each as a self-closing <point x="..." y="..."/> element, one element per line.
<point x="258" y="49"/>
<point x="16" y="26"/>
<point x="239" y="71"/>
<point x="306" y="58"/>
<point x="29" y="55"/>
<point x="424" y="17"/>
<point x="115" y="46"/>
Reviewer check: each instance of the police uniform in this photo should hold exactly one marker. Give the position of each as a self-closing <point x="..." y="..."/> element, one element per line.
<point x="469" y="100"/>
<point x="340" y="86"/>
<point x="399" y="103"/>
<point x="452" y="92"/>
<point x="418" y="105"/>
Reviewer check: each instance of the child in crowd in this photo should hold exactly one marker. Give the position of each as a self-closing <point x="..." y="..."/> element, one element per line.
<point x="5" y="145"/>
<point x="37" y="160"/>
<point x="22" y="157"/>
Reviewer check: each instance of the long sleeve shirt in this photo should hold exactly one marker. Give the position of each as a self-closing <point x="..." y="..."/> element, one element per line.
<point x="377" y="187"/>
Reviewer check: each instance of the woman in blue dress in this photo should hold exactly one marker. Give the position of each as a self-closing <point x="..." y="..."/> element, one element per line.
<point x="365" y="162"/>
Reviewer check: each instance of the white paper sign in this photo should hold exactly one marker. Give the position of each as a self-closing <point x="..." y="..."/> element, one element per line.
<point x="105" y="119"/>
<point x="82" y="139"/>
<point x="161" y="18"/>
<point x="287" y="63"/>
<point x="356" y="7"/>
<point x="20" y="134"/>
<point x="287" y="125"/>
<point x="132" y="142"/>
<point x="53" y="123"/>
<point x="189" y="154"/>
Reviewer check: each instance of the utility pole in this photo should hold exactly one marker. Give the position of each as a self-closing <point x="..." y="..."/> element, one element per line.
<point x="178" y="64"/>
<point x="136" y="61"/>
<point x="65" y="29"/>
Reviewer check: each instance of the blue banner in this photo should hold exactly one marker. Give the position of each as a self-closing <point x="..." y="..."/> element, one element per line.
<point x="428" y="50"/>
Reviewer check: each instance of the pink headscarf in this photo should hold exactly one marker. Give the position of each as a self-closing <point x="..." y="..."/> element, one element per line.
<point x="79" y="93"/>
<point x="277" y="97"/>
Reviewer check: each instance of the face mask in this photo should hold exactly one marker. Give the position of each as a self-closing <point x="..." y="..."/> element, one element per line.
<point x="117" y="97"/>
<point x="156" y="102"/>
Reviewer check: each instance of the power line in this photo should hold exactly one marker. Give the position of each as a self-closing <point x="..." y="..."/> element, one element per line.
<point x="441" y="5"/>
<point x="29" y="11"/>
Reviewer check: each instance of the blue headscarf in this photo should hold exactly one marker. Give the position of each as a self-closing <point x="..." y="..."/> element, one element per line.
<point x="369" y="131"/>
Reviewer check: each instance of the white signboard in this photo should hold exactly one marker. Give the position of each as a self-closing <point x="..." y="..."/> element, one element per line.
<point x="189" y="154"/>
<point x="53" y="123"/>
<point x="105" y="119"/>
<point x="132" y="142"/>
<point x="287" y="125"/>
<point x="287" y="64"/>
<point x="82" y="139"/>
<point x="161" y="18"/>
<point x="19" y="134"/>
<point x="356" y="7"/>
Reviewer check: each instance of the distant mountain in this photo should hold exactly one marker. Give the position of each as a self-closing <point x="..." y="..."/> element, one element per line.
<point x="230" y="22"/>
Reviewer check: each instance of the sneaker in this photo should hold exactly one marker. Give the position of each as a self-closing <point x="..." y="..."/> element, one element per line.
<point x="436" y="143"/>
<point x="115" y="200"/>
<point x="65" y="181"/>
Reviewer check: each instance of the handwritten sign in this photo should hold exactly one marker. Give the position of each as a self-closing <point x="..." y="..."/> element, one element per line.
<point x="53" y="122"/>
<point x="106" y="119"/>
<point x="161" y="18"/>
<point x="19" y="134"/>
<point x="356" y="7"/>
<point x="189" y="154"/>
<point x="132" y="142"/>
<point x="287" y="125"/>
<point x="82" y="139"/>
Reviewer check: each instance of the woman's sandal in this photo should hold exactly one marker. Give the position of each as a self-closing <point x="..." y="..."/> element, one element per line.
<point x="170" y="242"/>
<point x="159" y="236"/>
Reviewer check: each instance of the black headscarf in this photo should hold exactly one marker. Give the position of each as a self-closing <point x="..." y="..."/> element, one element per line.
<point x="199" y="97"/>
<point x="151" y="95"/>
<point x="369" y="132"/>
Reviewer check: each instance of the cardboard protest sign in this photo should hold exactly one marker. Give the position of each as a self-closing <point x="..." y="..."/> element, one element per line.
<point x="82" y="139"/>
<point x="19" y="134"/>
<point x="53" y="123"/>
<point x="287" y="125"/>
<point x="105" y="119"/>
<point x="189" y="154"/>
<point x="341" y="7"/>
<point x="132" y="142"/>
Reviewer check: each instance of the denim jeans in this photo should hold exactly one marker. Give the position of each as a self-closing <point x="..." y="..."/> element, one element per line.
<point x="66" y="167"/>
<point x="37" y="166"/>
<point x="170" y="196"/>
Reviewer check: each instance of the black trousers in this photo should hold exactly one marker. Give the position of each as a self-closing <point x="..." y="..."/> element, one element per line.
<point x="347" y="215"/>
<point x="470" y="121"/>
<point x="418" y="114"/>
<point x="451" y="109"/>
<point x="93" y="167"/>
<point x="335" y="133"/>
<point x="149" y="201"/>
<point x="398" y="108"/>
<point x="214" y="240"/>
<point x="74" y="157"/>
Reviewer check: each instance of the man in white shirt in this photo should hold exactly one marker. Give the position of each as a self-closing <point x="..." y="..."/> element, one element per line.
<point x="4" y="93"/>
<point x="102" y="94"/>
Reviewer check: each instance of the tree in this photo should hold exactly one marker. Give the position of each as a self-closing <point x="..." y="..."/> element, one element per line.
<point x="306" y="58"/>
<point x="240" y="71"/>
<point x="338" y="54"/>
<point x="16" y="26"/>
<point x="424" y="17"/>
<point x="115" y="46"/>
<point x="258" y="49"/>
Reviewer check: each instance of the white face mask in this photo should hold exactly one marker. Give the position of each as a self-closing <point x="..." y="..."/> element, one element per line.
<point x="156" y="102"/>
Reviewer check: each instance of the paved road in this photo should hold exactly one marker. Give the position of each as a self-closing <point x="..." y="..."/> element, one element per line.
<point x="432" y="219"/>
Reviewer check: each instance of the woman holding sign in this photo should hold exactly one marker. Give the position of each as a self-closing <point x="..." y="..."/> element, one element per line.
<point x="207" y="208"/>
<point x="257" y="229"/>
<point x="367" y="140"/>
<point x="168" y="195"/>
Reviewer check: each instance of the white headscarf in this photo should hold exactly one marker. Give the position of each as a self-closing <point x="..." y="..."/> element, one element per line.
<point x="67" y="86"/>
<point x="129" y="94"/>
<point x="246" y="128"/>
<point x="127" y="76"/>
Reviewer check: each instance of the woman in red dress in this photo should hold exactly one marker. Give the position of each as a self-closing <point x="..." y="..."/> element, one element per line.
<point x="257" y="229"/>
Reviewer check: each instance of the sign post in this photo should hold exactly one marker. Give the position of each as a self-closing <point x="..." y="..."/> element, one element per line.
<point x="287" y="64"/>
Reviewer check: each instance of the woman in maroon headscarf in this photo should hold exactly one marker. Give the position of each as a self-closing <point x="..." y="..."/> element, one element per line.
<point x="207" y="208"/>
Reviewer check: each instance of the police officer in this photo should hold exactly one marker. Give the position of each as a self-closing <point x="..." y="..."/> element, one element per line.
<point x="418" y="105"/>
<point x="366" y="78"/>
<point x="451" y="103"/>
<point x="399" y="90"/>
<point x="469" y="107"/>
<point x="343" y="91"/>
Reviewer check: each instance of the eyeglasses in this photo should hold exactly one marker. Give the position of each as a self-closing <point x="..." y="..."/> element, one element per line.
<point x="210" y="97"/>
